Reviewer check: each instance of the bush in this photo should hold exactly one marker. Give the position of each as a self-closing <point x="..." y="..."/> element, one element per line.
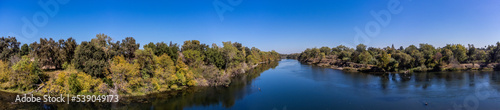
<point x="5" y="74"/>
<point x="26" y="74"/>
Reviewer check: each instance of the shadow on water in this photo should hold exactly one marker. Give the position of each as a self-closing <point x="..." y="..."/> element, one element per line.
<point x="194" y="96"/>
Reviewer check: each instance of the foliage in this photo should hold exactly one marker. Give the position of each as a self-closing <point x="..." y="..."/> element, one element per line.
<point x="26" y="74"/>
<point x="365" y="57"/>
<point x="5" y="74"/>
<point x="125" y="76"/>
<point x="193" y="57"/>
<point x="164" y="75"/>
<point x="90" y="59"/>
<point x="161" y="48"/>
<point x="129" y="46"/>
<point x="145" y="60"/>
<point x="8" y="47"/>
<point x="215" y="57"/>
<point x="423" y="58"/>
<point x="184" y="75"/>
<point x="95" y="66"/>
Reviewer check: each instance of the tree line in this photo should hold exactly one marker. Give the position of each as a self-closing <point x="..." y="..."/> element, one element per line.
<point x="105" y="66"/>
<point x="425" y="57"/>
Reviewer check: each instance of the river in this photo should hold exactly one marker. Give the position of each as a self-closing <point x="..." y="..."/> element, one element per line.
<point x="290" y="85"/>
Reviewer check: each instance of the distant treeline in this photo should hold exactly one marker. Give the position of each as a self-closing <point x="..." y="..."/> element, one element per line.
<point x="425" y="57"/>
<point x="105" y="66"/>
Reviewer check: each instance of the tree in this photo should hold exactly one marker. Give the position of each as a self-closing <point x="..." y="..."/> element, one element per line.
<point x="325" y="50"/>
<point x="145" y="60"/>
<point x="164" y="75"/>
<point x="5" y="75"/>
<point x="403" y="59"/>
<point x="193" y="45"/>
<point x="459" y="51"/>
<point x="494" y="52"/>
<point x="48" y="52"/>
<point x="384" y="60"/>
<point x="410" y="49"/>
<point x="365" y="57"/>
<point x="125" y="76"/>
<point x="447" y="55"/>
<point x="68" y="49"/>
<point x="193" y="58"/>
<point x="161" y="48"/>
<point x="428" y="51"/>
<point x="26" y="74"/>
<point x="230" y="54"/>
<point x="482" y="56"/>
<point x="360" y="47"/>
<point x="8" y="47"/>
<point x="419" y="58"/>
<point x="129" y="46"/>
<point x="184" y="75"/>
<point x="215" y="57"/>
<point x="91" y="59"/>
<point x="471" y="53"/>
<point x="25" y="50"/>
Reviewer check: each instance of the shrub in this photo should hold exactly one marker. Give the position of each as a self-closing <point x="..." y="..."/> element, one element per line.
<point x="5" y="73"/>
<point x="26" y="74"/>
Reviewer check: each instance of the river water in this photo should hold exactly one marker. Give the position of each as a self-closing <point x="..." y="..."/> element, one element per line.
<point x="290" y="85"/>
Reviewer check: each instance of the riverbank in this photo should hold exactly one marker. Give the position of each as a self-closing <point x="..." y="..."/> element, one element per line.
<point x="54" y="75"/>
<point x="331" y="62"/>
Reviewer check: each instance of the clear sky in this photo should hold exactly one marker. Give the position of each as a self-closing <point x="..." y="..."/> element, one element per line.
<point x="287" y="26"/>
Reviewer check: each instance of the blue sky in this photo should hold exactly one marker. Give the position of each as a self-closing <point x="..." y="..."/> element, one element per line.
<point x="287" y="26"/>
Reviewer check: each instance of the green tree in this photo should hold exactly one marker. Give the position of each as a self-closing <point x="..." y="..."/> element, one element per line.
<point x="25" y="50"/>
<point x="26" y="74"/>
<point x="145" y="60"/>
<point x="129" y="46"/>
<point x="405" y="60"/>
<point x="325" y="50"/>
<point x="68" y="49"/>
<point x="193" y="58"/>
<point x="471" y="53"/>
<point x="215" y="57"/>
<point x="49" y="53"/>
<point x="361" y="48"/>
<point x="194" y="45"/>
<point x="384" y="60"/>
<point x="91" y="59"/>
<point x="365" y="57"/>
<point x="8" y="47"/>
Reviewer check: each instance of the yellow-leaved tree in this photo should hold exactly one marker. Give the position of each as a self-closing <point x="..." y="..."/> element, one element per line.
<point x="164" y="75"/>
<point x="185" y="76"/>
<point x="125" y="76"/>
<point x="5" y="74"/>
<point x="26" y="74"/>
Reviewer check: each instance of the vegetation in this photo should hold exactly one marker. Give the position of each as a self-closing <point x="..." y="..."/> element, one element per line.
<point x="102" y="66"/>
<point x="412" y="58"/>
